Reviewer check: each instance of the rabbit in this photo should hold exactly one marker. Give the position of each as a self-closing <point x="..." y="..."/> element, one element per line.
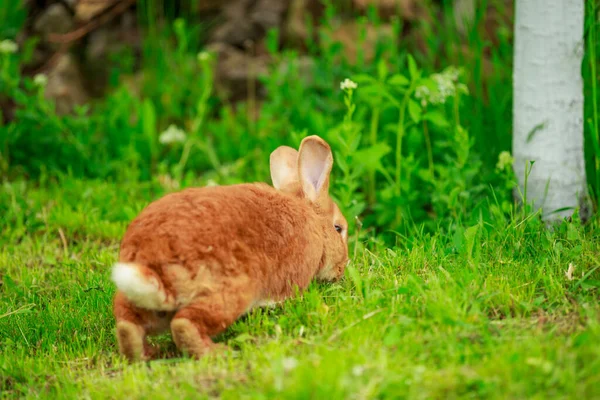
<point x="196" y="260"/>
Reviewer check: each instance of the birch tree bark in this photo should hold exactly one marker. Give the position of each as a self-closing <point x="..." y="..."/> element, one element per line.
<point x="548" y="103"/>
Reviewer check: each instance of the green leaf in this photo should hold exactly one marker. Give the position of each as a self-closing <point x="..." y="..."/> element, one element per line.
<point x="371" y="92"/>
<point x="356" y="278"/>
<point x="437" y="118"/>
<point x="391" y="98"/>
<point x="412" y="68"/>
<point x="458" y="239"/>
<point x="470" y="237"/>
<point x="382" y="69"/>
<point x="370" y="157"/>
<point x="363" y="79"/>
<point x="149" y="124"/>
<point x="398" y="80"/>
<point x="180" y="33"/>
<point x="572" y="232"/>
<point x="414" y="109"/>
<point x="393" y="337"/>
<point x="272" y="41"/>
<point x="403" y="290"/>
<point x="241" y="338"/>
<point x="10" y="285"/>
<point x="8" y="282"/>
<point x="535" y="130"/>
<point x="590" y="284"/>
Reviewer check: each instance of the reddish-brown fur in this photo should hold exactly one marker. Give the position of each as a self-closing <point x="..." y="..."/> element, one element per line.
<point x="218" y="251"/>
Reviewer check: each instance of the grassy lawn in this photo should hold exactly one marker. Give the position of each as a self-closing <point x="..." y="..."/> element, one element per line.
<point x="454" y="290"/>
<point x="488" y="311"/>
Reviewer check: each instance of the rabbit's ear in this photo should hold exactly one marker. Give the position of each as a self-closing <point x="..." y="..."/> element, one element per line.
<point x="314" y="166"/>
<point x="284" y="166"/>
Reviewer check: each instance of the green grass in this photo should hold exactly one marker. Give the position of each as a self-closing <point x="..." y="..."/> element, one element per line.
<point x="481" y="311"/>
<point x="454" y="291"/>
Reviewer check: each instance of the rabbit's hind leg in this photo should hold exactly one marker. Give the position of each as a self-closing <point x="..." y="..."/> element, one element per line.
<point x="134" y="324"/>
<point x="208" y="315"/>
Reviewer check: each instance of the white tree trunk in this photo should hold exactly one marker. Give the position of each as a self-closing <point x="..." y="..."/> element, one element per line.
<point x="548" y="103"/>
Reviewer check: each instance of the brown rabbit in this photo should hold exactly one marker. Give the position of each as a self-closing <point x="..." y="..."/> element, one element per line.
<point x="196" y="260"/>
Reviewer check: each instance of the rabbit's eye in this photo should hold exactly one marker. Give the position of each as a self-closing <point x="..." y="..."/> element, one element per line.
<point x="338" y="228"/>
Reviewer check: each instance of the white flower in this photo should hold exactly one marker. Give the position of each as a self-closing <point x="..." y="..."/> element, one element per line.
<point x="8" y="46"/>
<point x="423" y="93"/>
<point x="451" y="73"/>
<point x="347" y="84"/>
<point x="504" y="160"/>
<point x="442" y="86"/>
<point x="40" y="80"/>
<point x="172" y="135"/>
<point x="289" y="363"/>
<point x="203" y="56"/>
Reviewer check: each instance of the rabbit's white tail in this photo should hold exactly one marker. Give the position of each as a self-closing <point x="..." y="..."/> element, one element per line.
<point x="142" y="286"/>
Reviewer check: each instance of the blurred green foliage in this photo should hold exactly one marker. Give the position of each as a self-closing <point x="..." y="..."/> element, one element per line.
<point x="417" y="142"/>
